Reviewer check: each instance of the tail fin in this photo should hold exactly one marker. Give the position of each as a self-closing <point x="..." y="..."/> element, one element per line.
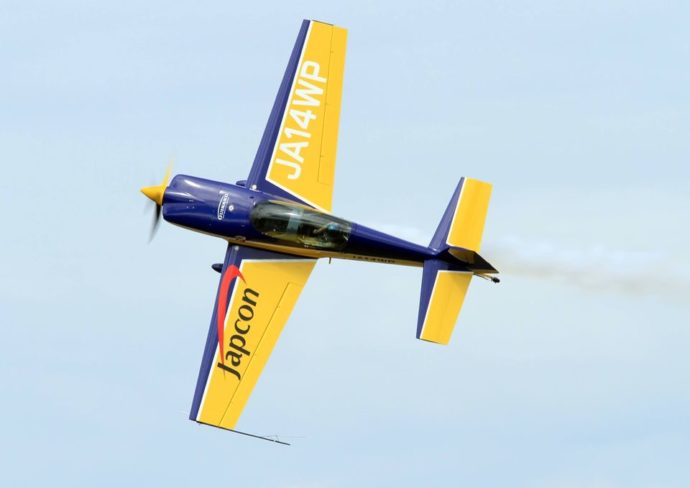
<point x="462" y="224"/>
<point x="446" y="279"/>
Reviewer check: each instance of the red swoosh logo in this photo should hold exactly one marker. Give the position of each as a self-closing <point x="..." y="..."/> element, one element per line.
<point x="230" y="274"/>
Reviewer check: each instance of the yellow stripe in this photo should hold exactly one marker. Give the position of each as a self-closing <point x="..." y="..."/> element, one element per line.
<point x="470" y="214"/>
<point x="444" y="307"/>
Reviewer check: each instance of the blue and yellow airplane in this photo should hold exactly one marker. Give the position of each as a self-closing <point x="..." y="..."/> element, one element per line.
<point x="278" y="222"/>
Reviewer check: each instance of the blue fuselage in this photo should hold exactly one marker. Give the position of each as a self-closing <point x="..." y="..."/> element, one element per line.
<point x="252" y="218"/>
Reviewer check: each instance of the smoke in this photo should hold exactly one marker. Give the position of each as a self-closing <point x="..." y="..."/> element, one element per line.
<point x="593" y="268"/>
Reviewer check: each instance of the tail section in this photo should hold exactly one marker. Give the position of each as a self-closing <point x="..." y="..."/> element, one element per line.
<point x="446" y="278"/>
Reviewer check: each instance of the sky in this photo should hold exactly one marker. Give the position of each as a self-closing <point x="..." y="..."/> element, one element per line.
<point x="573" y="372"/>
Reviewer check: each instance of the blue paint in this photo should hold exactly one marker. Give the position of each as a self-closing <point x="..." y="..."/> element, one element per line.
<point x="225" y="210"/>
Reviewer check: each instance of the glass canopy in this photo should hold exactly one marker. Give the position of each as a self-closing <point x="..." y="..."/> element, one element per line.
<point x="300" y="225"/>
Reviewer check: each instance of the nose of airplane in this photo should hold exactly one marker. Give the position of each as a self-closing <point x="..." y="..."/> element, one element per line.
<point x="155" y="193"/>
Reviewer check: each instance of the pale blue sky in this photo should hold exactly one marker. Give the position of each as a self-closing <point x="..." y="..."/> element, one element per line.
<point x="573" y="372"/>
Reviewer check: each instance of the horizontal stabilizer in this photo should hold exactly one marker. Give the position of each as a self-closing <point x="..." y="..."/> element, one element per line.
<point x="443" y="293"/>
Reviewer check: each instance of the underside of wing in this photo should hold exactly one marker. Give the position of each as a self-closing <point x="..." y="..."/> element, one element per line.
<point x="256" y="294"/>
<point x="296" y="157"/>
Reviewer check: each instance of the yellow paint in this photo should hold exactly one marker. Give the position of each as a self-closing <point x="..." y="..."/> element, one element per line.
<point x="468" y="222"/>
<point x="303" y="160"/>
<point x="445" y="303"/>
<point x="278" y="285"/>
<point x="154" y="193"/>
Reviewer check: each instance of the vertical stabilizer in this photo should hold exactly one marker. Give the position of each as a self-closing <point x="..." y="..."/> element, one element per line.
<point x="462" y="224"/>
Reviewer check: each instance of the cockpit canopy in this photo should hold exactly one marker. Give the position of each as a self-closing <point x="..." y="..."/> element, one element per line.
<point x="299" y="225"/>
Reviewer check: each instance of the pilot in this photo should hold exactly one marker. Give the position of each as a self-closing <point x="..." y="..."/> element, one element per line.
<point x="327" y="230"/>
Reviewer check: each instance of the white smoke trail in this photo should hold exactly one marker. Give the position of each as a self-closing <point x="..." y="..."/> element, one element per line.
<point x="636" y="273"/>
<point x="593" y="268"/>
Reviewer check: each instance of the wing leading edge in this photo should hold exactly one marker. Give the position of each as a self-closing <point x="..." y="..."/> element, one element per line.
<point x="296" y="156"/>
<point x="256" y="294"/>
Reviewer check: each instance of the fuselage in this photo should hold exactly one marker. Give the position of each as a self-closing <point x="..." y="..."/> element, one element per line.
<point x="253" y="218"/>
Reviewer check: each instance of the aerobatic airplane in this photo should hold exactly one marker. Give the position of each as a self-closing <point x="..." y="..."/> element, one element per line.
<point x="278" y="222"/>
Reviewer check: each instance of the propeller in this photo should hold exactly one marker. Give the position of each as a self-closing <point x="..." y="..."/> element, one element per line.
<point x="155" y="194"/>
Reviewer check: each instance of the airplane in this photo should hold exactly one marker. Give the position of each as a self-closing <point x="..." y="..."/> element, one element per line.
<point x="278" y="223"/>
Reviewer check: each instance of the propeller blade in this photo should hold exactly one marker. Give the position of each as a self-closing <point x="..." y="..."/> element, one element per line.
<point x="168" y="173"/>
<point x="156" y="194"/>
<point x="156" y="220"/>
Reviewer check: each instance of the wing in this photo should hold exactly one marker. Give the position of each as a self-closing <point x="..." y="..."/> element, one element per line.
<point x="296" y="157"/>
<point x="256" y="294"/>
